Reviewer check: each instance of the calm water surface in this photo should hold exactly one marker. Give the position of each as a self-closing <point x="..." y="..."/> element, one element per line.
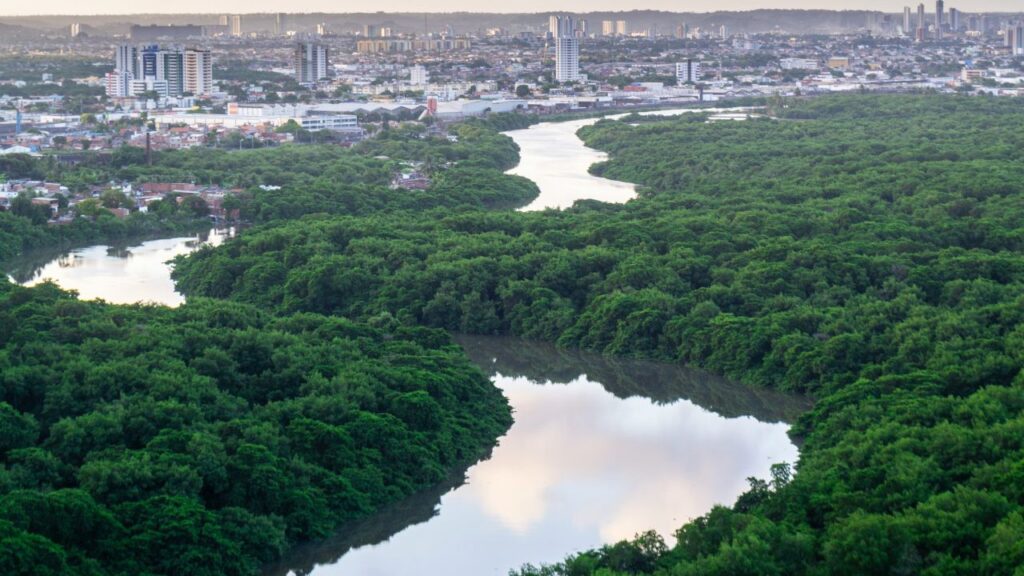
<point x="117" y="274"/>
<point x="600" y="450"/>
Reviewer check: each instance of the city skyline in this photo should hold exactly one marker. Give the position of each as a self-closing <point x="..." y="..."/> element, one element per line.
<point x="123" y="7"/>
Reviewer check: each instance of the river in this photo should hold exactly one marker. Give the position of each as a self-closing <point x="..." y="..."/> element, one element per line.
<point x="117" y="274"/>
<point x="555" y="158"/>
<point x="600" y="449"/>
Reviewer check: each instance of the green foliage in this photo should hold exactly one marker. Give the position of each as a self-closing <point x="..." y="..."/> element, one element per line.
<point x="864" y="249"/>
<point x="207" y="439"/>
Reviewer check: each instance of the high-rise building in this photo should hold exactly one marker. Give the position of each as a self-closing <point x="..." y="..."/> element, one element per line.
<point x="682" y="31"/>
<point x="954" y="20"/>
<point x="170" y="72"/>
<point x="418" y="76"/>
<point x="75" y="29"/>
<point x="723" y="32"/>
<point x="236" y="25"/>
<point x="222" y="20"/>
<point x="608" y="28"/>
<point x="553" y="24"/>
<point x="922" y="26"/>
<point x="280" y="24"/>
<point x="311" y="62"/>
<point x="621" y="28"/>
<point x="119" y="82"/>
<point x="939" y="19"/>
<point x="582" y="28"/>
<point x="567" y="49"/>
<point x="1014" y="38"/>
<point x="170" y="67"/>
<point x="906" y="21"/>
<point x="321" y="29"/>
<point x="125" y="58"/>
<point x="198" y="71"/>
<point x="687" y="72"/>
<point x="371" y="30"/>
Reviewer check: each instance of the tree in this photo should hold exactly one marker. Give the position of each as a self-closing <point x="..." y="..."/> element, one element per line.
<point x="23" y="205"/>
<point x="113" y="198"/>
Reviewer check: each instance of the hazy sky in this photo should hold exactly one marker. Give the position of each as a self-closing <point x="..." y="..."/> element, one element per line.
<point x="22" y="7"/>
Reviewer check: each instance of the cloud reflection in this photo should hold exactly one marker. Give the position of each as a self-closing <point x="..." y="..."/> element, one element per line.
<point x="579" y="468"/>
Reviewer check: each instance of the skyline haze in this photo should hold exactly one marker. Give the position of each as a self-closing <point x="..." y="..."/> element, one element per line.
<point x="123" y="7"/>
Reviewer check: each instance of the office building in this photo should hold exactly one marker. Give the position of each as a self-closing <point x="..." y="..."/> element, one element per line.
<point x="687" y="72"/>
<point x="954" y="20"/>
<point x="311" y="62"/>
<point x="567" y="49"/>
<point x="198" y="71"/>
<point x="939" y="19"/>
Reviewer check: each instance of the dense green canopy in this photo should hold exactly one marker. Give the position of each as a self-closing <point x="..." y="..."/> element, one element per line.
<point x="865" y="249"/>
<point x="205" y="440"/>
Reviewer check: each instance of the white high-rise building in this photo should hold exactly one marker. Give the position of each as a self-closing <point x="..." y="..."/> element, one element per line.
<point x="236" y="25"/>
<point x="198" y="71"/>
<point x="311" y="61"/>
<point x="567" y="49"/>
<point x="418" y="76"/>
<point x="126" y="69"/>
<point x="687" y="72"/>
<point x="906" y="21"/>
<point x="125" y="58"/>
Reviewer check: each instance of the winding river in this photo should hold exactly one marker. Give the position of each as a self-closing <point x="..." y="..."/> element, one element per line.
<point x="601" y="449"/>
<point x="555" y="158"/>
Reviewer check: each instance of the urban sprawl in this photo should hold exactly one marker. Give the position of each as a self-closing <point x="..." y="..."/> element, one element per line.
<point x="247" y="81"/>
